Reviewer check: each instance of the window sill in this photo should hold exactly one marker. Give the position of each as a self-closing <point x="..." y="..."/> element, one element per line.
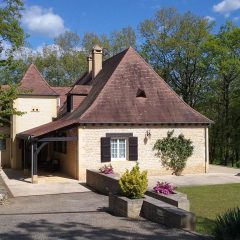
<point x="118" y="159"/>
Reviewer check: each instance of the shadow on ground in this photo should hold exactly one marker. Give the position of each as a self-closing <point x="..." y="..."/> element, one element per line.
<point x="43" y="229"/>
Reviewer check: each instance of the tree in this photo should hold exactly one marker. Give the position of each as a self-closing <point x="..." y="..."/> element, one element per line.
<point x="68" y="41"/>
<point x="120" y="40"/>
<point x="11" y="37"/>
<point x="11" y="33"/>
<point x="91" y="39"/>
<point x="60" y="68"/>
<point x="7" y="96"/>
<point x="174" y="45"/>
<point x="224" y="48"/>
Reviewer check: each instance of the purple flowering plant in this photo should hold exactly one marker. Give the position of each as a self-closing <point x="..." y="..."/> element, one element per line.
<point x="164" y="188"/>
<point x="106" y="169"/>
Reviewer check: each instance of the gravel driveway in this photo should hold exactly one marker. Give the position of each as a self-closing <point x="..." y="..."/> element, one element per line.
<point x="76" y="216"/>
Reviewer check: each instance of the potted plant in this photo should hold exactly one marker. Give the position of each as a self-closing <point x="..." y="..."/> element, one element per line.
<point x="133" y="185"/>
<point x="167" y="193"/>
<point x="106" y="169"/>
<point x="164" y="188"/>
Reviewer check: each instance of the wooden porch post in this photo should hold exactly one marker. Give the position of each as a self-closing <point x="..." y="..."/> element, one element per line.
<point x="34" y="162"/>
<point x="25" y="168"/>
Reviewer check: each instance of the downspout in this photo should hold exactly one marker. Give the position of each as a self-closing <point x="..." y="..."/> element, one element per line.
<point x="206" y="148"/>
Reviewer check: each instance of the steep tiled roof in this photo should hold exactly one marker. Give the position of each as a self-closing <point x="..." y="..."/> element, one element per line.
<point x="113" y="98"/>
<point x="34" y="83"/>
<point x="128" y="90"/>
<point x="47" y="128"/>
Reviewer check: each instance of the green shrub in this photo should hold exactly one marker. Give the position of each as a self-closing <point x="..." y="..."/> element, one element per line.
<point x="134" y="183"/>
<point x="174" y="151"/>
<point x="238" y="164"/>
<point x="228" y="225"/>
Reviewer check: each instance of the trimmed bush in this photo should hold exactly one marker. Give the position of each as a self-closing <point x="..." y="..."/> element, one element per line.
<point x="174" y="151"/>
<point x="228" y="225"/>
<point x="134" y="183"/>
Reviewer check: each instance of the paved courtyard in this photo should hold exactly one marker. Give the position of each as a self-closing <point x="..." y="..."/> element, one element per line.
<point x="216" y="175"/>
<point x="48" y="184"/>
<point x="76" y="216"/>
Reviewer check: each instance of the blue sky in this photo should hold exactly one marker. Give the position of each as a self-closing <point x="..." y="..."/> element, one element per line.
<point x="45" y="19"/>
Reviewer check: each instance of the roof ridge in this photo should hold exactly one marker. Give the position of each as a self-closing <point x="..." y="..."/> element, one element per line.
<point x="149" y="65"/>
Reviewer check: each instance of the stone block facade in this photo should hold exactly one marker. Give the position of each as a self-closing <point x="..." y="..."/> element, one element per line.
<point x="89" y="150"/>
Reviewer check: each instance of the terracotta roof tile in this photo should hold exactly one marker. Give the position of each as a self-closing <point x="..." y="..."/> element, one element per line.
<point x="47" y="128"/>
<point x="34" y="82"/>
<point x="113" y="98"/>
<point x="128" y="90"/>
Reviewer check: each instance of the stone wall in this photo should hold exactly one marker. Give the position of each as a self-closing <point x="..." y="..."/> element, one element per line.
<point x="103" y="183"/>
<point x="89" y="148"/>
<point x="68" y="161"/>
<point x="163" y="213"/>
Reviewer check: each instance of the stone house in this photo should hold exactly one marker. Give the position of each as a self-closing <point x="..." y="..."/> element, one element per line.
<point x="113" y="114"/>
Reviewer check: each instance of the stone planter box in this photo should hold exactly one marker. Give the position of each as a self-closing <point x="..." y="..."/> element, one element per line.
<point x="125" y="207"/>
<point x="103" y="183"/>
<point x="177" y="199"/>
<point x="164" y="213"/>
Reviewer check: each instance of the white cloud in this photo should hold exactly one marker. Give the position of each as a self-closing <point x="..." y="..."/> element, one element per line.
<point x="209" y="18"/>
<point x="227" y="6"/>
<point x="236" y="19"/>
<point x="43" y="21"/>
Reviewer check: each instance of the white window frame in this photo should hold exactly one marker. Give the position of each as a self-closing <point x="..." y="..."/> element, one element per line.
<point x="119" y="158"/>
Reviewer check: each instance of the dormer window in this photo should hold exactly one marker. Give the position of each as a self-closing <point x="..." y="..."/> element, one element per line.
<point x="141" y="93"/>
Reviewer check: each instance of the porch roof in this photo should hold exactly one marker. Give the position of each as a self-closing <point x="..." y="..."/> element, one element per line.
<point x="46" y="128"/>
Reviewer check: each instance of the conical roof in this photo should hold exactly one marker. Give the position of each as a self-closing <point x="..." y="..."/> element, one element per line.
<point x="33" y="83"/>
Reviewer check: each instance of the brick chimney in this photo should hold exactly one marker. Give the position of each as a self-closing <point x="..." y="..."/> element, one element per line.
<point x="89" y="61"/>
<point x="96" y="60"/>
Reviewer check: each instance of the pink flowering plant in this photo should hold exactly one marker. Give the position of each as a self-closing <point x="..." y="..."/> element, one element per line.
<point x="106" y="169"/>
<point x="164" y="188"/>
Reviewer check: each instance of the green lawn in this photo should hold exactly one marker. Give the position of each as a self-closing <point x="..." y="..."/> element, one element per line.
<point x="209" y="201"/>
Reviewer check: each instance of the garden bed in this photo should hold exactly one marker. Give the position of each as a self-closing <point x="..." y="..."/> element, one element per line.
<point x="176" y="199"/>
<point x="103" y="183"/>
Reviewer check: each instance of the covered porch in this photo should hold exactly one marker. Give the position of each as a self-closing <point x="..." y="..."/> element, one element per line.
<point x="50" y="156"/>
<point x="19" y="185"/>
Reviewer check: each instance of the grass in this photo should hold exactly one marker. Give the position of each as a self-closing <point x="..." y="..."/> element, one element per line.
<point x="209" y="201"/>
